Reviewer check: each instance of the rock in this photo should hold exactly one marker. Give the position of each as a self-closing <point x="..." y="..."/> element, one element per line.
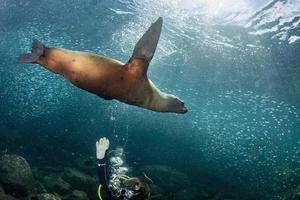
<point x="57" y="184"/>
<point x="295" y="195"/>
<point x="166" y="177"/>
<point x="156" y="191"/>
<point x="1" y="189"/>
<point x="78" y="195"/>
<point x="38" y="188"/>
<point x="45" y="196"/>
<point x="81" y="181"/>
<point x="15" y="175"/>
<point x="77" y="179"/>
<point x="3" y="196"/>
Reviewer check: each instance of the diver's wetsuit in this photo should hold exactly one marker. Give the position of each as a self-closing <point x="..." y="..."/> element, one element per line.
<point x="103" y="178"/>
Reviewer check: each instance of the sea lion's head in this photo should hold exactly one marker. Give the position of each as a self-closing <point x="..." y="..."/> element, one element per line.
<point x="174" y="104"/>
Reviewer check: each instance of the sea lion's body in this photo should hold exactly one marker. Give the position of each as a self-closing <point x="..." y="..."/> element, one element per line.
<point x="106" y="77"/>
<point x="103" y="76"/>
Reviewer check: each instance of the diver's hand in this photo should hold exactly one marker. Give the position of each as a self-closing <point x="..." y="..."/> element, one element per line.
<point x="101" y="147"/>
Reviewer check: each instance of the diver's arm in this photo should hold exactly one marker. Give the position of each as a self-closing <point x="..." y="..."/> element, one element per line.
<point x="101" y="147"/>
<point x="102" y="178"/>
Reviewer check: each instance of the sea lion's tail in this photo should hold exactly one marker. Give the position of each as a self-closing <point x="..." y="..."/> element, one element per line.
<point x="146" y="46"/>
<point x="36" y="51"/>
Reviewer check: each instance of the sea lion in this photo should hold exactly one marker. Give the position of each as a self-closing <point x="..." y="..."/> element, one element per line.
<point x="109" y="78"/>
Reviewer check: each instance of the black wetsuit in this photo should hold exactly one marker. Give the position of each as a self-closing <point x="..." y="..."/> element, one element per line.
<point x="103" y="178"/>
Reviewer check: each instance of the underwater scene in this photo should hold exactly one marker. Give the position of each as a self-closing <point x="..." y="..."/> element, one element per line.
<point x="215" y="115"/>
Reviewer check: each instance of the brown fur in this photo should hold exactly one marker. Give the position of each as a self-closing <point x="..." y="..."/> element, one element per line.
<point x="105" y="77"/>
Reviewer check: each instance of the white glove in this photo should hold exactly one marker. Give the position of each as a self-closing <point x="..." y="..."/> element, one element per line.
<point x="101" y="147"/>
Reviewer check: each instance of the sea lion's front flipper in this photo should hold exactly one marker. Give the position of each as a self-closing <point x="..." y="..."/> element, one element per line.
<point x="146" y="46"/>
<point x="36" y="51"/>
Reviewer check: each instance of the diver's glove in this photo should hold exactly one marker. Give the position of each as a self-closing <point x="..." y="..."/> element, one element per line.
<point x="101" y="147"/>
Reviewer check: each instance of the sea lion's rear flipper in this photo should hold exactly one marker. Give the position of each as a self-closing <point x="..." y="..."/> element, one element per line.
<point x="36" y="51"/>
<point x="146" y="46"/>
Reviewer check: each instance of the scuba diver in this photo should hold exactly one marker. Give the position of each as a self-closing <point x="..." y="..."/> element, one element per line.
<point x="116" y="185"/>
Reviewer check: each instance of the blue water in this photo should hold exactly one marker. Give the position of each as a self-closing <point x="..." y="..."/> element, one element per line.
<point x="235" y="65"/>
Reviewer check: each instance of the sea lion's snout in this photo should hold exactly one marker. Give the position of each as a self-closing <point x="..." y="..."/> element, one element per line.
<point x="184" y="109"/>
<point x="176" y="105"/>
